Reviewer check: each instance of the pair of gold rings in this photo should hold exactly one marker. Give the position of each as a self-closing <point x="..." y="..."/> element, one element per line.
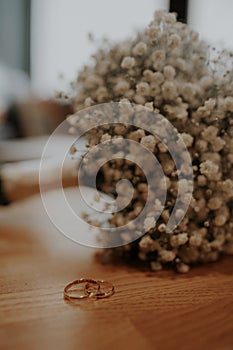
<point x="88" y="288"/>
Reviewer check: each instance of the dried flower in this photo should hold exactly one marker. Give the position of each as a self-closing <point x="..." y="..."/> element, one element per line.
<point x="140" y="49"/>
<point x="128" y="62"/>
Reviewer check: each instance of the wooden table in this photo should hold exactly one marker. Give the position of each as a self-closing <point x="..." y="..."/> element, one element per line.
<point x="161" y="310"/>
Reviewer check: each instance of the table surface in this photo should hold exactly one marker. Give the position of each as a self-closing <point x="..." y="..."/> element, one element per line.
<point x="161" y="310"/>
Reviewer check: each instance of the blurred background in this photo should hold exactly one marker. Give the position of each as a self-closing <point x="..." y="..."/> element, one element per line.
<point x="44" y="43"/>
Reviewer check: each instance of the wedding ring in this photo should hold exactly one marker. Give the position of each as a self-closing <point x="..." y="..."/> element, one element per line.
<point x="106" y="289"/>
<point x="69" y="290"/>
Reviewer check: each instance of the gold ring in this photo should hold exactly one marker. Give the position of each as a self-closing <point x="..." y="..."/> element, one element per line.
<point x="68" y="291"/>
<point x="105" y="290"/>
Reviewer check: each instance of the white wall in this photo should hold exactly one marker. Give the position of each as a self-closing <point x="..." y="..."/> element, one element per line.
<point x="213" y="20"/>
<point x="59" y="43"/>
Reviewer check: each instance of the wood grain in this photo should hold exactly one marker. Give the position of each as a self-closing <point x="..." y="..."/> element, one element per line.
<point x="161" y="310"/>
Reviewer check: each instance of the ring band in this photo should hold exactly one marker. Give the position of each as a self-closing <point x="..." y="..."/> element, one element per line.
<point x="90" y="282"/>
<point x="101" y="292"/>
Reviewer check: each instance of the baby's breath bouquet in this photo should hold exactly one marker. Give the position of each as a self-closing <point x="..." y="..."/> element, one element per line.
<point x="169" y="70"/>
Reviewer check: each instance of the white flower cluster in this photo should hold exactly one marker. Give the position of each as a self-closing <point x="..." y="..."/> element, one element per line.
<point x="168" y="69"/>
